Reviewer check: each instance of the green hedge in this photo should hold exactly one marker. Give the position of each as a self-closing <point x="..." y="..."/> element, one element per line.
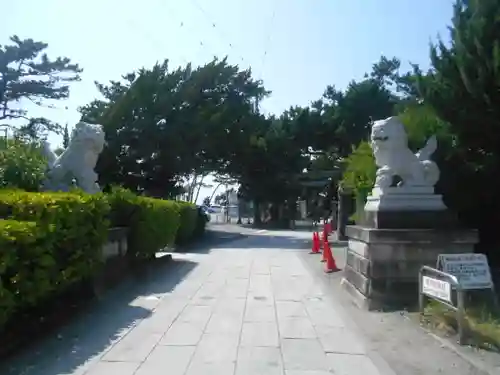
<point x="153" y="223"/>
<point x="52" y="241"/>
<point x="48" y="242"/>
<point x="188" y="222"/>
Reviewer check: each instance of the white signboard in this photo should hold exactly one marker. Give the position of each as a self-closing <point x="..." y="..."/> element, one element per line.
<point x="471" y="270"/>
<point x="436" y="288"/>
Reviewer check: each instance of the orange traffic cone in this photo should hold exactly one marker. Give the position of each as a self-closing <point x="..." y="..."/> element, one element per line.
<point x="325" y="245"/>
<point x="315" y="244"/>
<point x="328" y="227"/>
<point x="331" y="265"/>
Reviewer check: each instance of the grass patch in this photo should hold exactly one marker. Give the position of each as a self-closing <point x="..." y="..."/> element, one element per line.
<point x="482" y="326"/>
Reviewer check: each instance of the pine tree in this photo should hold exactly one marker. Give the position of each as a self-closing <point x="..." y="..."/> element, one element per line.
<point x="66" y="136"/>
<point x="27" y="74"/>
<point x="463" y="86"/>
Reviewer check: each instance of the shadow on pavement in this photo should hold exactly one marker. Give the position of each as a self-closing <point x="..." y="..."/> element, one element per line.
<point x="93" y="331"/>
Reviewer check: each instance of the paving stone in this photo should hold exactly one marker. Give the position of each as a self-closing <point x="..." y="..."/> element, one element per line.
<point x="339" y="340"/>
<point x="207" y="294"/>
<point x="259" y="334"/>
<point x="202" y="368"/>
<point x="113" y="368"/>
<point x="304" y="354"/>
<point x="163" y="360"/>
<point x="135" y="347"/>
<point x="242" y="273"/>
<point x="289" y="309"/>
<point x="256" y="360"/>
<point x="296" y="328"/>
<point x="182" y="333"/>
<point x="197" y="315"/>
<point x="230" y="306"/>
<point x="266" y="296"/>
<point x="164" y="315"/>
<point x="259" y="312"/>
<point x="259" y="281"/>
<point x="306" y="372"/>
<point x="348" y="364"/>
<point x="236" y="288"/>
<point x="261" y="295"/>
<point x="324" y="316"/>
<point x="158" y="323"/>
<point x="260" y="268"/>
<point x="224" y="323"/>
<point x="216" y="348"/>
<point x="285" y="290"/>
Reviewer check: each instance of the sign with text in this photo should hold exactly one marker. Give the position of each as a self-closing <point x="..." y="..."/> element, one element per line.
<point x="436" y="288"/>
<point x="471" y="270"/>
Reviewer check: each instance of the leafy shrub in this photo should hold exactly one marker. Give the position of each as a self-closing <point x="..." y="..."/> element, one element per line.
<point x="48" y="242"/>
<point x="123" y="205"/>
<point x="188" y="222"/>
<point x="22" y="166"/>
<point x="25" y="258"/>
<point x="360" y="170"/>
<point x="201" y="223"/>
<point x="153" y="223"/>
<point x="80" y="220"/>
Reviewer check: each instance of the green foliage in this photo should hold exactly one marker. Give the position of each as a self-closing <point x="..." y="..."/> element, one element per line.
<point x="360" y="169"/>
<point x="66" y="137"/>
<point x="153" y="223"/>
<point x="201" y="223"/>
<point x="154" y="227"/>
<point x="27" y="73"/>
<point x="24" y="245"/>
<point x="51" y="241"/>
<point x="462" y="89"/>
<point x="188" y="221"/>
<point x="164" y="125"/>
<point x="22" y="166"/>
<point x="421" y="122"/>
<point x="177" y="122"/>
<point x="48" y="242"/>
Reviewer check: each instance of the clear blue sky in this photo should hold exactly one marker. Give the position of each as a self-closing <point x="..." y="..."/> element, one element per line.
<point x="297" y="47"/>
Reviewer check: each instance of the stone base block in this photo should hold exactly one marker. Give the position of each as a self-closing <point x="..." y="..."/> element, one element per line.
<point x="383" y="264"/>
<point x="415" y="219"/>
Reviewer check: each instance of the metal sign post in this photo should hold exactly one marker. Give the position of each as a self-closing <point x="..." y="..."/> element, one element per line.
<point x="439" y="289"/>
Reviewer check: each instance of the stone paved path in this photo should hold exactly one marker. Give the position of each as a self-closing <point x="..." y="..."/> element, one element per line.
<point x="242" y="311"/>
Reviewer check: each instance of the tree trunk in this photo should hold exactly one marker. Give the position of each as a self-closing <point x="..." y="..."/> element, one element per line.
<point x="200" y="184"/>
<point x="214" y="191"/>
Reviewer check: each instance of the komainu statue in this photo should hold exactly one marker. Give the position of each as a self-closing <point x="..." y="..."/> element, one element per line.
<point x="75" y="166"/>
<point x="395" y="160"/>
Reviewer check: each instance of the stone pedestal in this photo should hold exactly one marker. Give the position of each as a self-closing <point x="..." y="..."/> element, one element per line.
<point x="395" y="240"/>
<point x="344" y="209"/>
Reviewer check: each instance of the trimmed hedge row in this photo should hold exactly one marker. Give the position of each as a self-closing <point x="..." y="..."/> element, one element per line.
<point x="51" y="241"/>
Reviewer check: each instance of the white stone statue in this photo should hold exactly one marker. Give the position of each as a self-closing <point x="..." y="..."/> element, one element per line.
<point x="393" y="157"/>
<point x="75" y="166"/>
<point x="416" y="172"/>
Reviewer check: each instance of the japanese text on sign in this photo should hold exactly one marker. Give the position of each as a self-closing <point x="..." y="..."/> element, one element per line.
<point x="436" y="288"/>
<point x="471" y="270"/>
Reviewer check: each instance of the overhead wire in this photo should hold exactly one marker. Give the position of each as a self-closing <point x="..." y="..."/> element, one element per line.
<point x="153" y="41"/>
<point x="202" y="44"/>
<point x="268" y="39"/>
<point x="217" y="28"/>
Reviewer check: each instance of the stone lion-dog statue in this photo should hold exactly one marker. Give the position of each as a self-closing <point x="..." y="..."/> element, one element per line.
<point x="75" y="166"/>
<point x="389" y="143"/>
